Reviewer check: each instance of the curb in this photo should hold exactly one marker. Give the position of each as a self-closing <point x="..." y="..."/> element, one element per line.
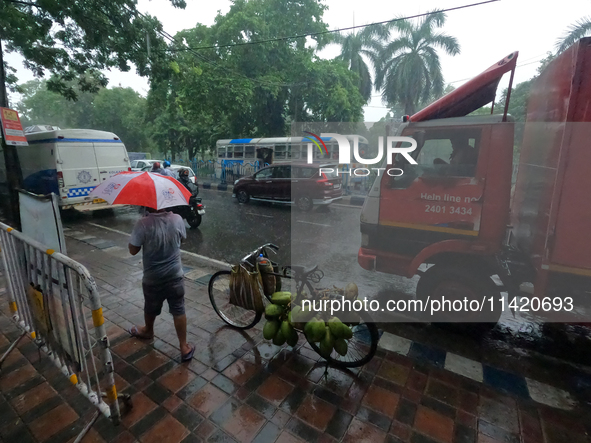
<point x="207" y="261"/>
<point x="353" y="200"/>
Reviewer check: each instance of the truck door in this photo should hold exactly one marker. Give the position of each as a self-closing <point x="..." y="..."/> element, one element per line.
<point x="111" y="159"/>
<point x="440" y="198"/>
<point x="77" y="164"/>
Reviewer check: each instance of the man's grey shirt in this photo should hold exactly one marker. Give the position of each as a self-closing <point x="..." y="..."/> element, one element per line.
<point x="159" y="235"/>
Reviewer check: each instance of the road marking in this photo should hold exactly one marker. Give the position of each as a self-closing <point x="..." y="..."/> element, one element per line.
<point x="108" y="229"/>
<point x="260" y="215"/>
<point x="207" y="260"/>
<point x="317" y="224"/>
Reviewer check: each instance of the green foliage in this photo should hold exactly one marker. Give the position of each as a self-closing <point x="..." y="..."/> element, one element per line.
<point x="118" y="110"/>
<point x="256" y="90"/>
<point x="576" y="31"/>
<point x="355" y="46"/>
<point x="409" y="71"/>
<point x="70" y="39"/>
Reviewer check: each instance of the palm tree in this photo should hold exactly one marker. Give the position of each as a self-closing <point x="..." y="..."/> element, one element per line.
<point x="575" y="32"/>
<point x="409" y="71"/>
<point x="356" y="46"/>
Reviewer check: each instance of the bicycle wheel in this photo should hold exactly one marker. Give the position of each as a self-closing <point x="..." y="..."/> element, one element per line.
<point x="361" y="347"/>
<point x="219" y="296"/>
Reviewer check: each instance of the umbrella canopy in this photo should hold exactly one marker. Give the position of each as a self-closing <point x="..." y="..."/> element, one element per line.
<point x="142" y="189"/>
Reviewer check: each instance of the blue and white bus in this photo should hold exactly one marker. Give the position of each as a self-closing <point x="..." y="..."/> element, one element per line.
<point x="255" y="153"/>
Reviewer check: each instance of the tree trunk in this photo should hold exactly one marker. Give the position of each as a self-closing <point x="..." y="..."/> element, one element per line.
<point x="14" y="174"/>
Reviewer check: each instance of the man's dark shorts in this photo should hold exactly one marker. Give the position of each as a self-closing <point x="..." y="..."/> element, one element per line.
<point x="173" y="291"/>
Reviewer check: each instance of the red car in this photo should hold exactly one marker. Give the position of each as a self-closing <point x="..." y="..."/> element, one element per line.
<point x="301" y="184"/>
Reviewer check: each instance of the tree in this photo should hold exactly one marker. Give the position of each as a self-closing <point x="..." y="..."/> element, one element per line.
<point x="357" y="45"/>
<point x="122" y="111"/>
<point x="118" y="110"/>
<point x="248" y="90"/>
<point x="576" y="31"/>
<point x="68" y="39"/>
<point x="409" y="70"/>
<point x="40" y="106"/>
<point x="72" y="41"/>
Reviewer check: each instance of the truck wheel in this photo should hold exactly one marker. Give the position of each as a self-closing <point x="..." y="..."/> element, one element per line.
<point x="457" y="284"/>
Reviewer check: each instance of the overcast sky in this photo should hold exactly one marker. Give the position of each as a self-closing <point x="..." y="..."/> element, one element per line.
<point x="486" y="33"/>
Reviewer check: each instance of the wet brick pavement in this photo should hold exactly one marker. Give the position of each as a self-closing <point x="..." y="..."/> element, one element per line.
<point x="240" y="387"/>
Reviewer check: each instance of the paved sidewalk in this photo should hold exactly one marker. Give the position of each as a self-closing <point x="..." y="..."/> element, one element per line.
<point x="239" y="387"/>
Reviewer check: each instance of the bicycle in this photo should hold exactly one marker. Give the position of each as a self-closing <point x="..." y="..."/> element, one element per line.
<point x="361" y="347"/>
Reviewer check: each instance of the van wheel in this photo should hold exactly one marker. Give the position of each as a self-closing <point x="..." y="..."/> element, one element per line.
<point x="304" y="204"/>
<point x="242" y="197"/>
<point x="456" y="284"/>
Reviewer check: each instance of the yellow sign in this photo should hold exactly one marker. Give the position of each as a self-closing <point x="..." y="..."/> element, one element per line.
<point x="40" y="314"/>
<point x="99" y="200"/>
<point x="9" y="114"/>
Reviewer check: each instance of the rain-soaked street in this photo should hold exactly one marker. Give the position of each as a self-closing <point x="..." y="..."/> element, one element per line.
<point x="331" y="238"/>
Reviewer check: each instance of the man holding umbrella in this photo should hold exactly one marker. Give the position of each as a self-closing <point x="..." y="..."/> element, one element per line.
<point x="158" y="235"/>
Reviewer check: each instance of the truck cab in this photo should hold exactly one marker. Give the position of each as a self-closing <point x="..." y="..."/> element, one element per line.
<point x="450" y="211"/>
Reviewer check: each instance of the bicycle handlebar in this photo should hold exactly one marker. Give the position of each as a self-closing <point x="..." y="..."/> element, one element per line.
<point x="258" y="250"/>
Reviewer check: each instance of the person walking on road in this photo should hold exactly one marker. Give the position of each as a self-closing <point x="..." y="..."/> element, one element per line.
<point x="159" y="235"/>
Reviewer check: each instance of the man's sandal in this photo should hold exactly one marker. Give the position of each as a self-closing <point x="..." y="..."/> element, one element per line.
<point x="133" y="331"/>
<point x="189" y="355"/>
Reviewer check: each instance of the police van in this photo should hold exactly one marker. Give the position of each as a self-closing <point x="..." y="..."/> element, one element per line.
<point x="71" y="163"/>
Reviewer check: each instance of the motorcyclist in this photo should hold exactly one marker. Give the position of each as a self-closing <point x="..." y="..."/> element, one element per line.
<point x="186" y="181"/>
<point x="169" y="171"/>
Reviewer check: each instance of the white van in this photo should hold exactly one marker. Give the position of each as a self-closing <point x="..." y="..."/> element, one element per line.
<point x="71" y="163"/>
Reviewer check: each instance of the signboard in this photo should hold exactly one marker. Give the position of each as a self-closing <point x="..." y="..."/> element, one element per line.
<point x="12" y="128"/>
<point x="41" y="221"/>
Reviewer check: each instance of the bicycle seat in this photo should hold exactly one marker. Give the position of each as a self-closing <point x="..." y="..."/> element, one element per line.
<point x="302" y="270"/>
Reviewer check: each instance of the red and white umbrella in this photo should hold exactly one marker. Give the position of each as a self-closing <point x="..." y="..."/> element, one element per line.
<point x="142" y="189"/>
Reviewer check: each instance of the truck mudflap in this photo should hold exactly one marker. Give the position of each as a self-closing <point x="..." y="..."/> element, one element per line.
<point x="382" y="261"/>
<point x="366" y="259"/>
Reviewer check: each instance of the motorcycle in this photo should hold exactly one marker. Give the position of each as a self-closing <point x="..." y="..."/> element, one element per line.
<point x="192" y="213"/>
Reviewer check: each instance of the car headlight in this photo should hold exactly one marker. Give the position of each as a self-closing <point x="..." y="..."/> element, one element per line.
<point x="236" y="182"/>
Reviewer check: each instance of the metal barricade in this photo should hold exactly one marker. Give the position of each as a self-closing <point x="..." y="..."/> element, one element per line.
<point x="55" y="300"/>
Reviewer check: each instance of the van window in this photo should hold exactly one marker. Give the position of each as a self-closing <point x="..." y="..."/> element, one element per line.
<point x="264" y="173"/>
<point x="306" y="172"/>
<point x="282" y="172"/>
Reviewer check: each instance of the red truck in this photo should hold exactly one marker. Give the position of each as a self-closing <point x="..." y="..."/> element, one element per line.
<point x="461" y="218"/>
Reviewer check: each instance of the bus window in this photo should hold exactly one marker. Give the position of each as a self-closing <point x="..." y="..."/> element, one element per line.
<point x="249" y="151"/>
<point x="239" y="151"/>
<point x="295" y="151"/>
<point x="280" y="152"/>
<point x="229" y="151"/>
<point x="222" y="152"/>
<point x="333" y="151"/>
<point x="323" y="154"/>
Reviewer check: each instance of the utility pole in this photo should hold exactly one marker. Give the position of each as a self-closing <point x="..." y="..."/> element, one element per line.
<point x="14" y="174"/>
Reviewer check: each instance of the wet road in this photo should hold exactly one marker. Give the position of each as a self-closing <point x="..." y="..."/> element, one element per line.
<point x="331" y="239"/>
